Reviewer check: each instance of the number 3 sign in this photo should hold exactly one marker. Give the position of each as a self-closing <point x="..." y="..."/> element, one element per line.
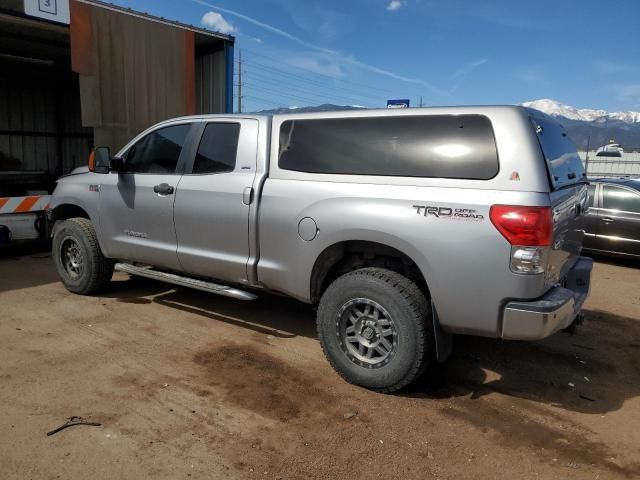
<point x="54" y="10"/>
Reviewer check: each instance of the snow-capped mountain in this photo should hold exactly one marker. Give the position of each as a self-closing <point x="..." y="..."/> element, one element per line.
<point x="588" y="127"/>
<point x="557" y="109"/>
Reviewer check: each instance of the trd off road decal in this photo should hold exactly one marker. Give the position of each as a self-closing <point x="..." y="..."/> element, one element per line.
<point x="449" y="213"/>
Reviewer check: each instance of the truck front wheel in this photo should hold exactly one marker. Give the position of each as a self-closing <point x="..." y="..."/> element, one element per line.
<point x="79" y="261"/>
<point x="375" y="328"/>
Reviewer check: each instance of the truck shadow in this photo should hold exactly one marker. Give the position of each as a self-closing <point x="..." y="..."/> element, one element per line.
<point x="593" y="371"/>
<point x="270" y="314"/>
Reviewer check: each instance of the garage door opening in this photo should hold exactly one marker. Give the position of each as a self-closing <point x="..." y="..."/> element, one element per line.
<point x="41" y="134"/>
<point x="97" y="81"/>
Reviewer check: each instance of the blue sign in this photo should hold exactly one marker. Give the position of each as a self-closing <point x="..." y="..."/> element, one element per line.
<point x="402" y="103"/>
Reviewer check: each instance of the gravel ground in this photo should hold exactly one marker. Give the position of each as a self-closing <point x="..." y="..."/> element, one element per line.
<point x="188" y="385"/>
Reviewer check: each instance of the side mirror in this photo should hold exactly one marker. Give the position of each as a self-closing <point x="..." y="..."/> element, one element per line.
<point x="102" y="160"/>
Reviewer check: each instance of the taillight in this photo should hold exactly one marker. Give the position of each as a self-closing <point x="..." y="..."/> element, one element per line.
<point x="529" y="230"/>
<point x="527" y="226"/>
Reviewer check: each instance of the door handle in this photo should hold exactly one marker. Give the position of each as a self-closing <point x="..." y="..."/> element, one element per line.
<point x="607" y="219"/>
<point x="247" y="195"/>
<point x="163" y="189"/>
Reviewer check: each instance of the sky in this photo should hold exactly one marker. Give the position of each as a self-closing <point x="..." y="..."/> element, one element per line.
<point x="585" y="53"/>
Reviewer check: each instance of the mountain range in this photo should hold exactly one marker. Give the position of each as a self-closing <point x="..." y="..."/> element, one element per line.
<point x="557" y="109"/>
<point x="587" y="127"/>
<point x="593" y="128"/>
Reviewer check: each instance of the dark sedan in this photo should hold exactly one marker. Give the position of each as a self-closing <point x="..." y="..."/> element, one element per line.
<point x="613" y="221"/>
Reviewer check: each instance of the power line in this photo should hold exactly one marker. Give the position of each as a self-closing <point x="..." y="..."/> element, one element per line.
<point x="301" y="93"/>
<point x="300" y="78"/>
<point x="325" y="96"/>
<point x="287" y="95"/>
<point x="322" y="88"/>
<point x="263" y="100"/>
<point x="327" y="76"/>
<point x="290" y="75"/>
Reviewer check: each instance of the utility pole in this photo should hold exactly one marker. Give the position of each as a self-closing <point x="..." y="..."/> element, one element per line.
<point x="239" y="81"/>
<point x="420" y="101"/>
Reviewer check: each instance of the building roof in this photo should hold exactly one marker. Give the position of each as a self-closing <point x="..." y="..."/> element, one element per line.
<point x="628" y="181"/>
<point x="153" y="18"/>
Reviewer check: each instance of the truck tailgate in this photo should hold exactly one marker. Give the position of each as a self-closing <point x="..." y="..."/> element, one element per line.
<point x="569" y="218"/>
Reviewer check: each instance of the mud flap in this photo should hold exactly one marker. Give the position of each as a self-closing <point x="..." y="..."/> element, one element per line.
<point x="579" y="320"/>
<point x="444" y="340"/>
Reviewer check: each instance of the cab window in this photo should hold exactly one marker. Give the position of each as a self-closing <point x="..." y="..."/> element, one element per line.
<point x="618" y="198"/>
<point x="218" y="149"/>
<point x="157" y="152"/>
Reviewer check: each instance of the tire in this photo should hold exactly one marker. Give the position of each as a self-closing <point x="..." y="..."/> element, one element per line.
<point x="358" y="353"/>
<point x="82" y="267"/>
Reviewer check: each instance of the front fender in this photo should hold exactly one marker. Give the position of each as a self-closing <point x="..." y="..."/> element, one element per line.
<point x="81" y="191"/>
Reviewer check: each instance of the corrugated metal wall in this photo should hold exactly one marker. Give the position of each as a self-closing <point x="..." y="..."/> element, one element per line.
<point x="37" y="110"/>
<point x="626" y="166"/>
<point x="131" y="71"/>
<point x="210" y="82"/>
<point x="135" y="72"/>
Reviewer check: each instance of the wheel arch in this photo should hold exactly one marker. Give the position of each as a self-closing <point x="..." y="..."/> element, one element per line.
<point x="348" y="255"/>
<point x="65" y="211"/>
<point x="69" y="207"/>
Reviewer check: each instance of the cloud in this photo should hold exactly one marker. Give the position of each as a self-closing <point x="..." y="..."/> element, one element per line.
<point x="463" y="72"/>
<point x="467" y="68"/>
<point x="217" y="22"/>
<point x="531" y="74"/>
<point x="507" y="17"/>
<point x="257" y="40"/>
<point x="323" y="67"/>
<point x="395" y="5"/>
<point x="337" y="55"/>
<point x="315" y="18"/>
<point x="607" y="67"/>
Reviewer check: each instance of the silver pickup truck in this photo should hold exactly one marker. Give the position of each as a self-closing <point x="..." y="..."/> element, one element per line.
<point x="402" y="226"/>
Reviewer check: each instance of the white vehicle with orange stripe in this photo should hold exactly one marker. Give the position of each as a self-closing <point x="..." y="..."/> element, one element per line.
<point x="403" y="226"/>
<point x="23" y="218"/>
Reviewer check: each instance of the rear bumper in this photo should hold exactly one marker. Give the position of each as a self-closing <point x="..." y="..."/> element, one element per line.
<point x="533" y="320"/>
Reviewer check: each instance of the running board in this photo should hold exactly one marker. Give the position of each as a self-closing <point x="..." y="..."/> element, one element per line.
<point x="185" y="281"/>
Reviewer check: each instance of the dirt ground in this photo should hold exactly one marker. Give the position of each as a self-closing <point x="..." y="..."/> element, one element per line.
<point x="189" y="385"/>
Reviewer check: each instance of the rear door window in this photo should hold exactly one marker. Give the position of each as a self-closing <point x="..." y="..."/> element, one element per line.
<point x="218" y="148"/>
<point x="443" y="146"/>
<point x="622" y="199"/>
<point x="563" y="162"/>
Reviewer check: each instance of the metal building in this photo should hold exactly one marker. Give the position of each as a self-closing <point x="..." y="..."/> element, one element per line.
<point x="99" y="79"/>
<point x="81" y="73"/>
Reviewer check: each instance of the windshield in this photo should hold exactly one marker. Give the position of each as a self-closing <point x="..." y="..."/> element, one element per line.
<point x="563" y="163"/>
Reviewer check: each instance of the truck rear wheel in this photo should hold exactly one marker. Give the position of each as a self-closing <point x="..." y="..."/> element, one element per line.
<point x="375" y="328"/>
<point x="79" y="261"/>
